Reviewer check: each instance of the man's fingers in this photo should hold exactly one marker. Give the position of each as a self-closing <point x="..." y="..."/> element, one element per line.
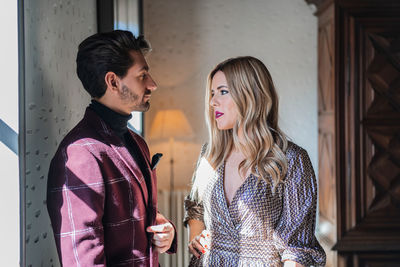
<point x="160" y="243"/>
<point x="160" y="228"/>
<point x="161" y="249"/>
<point x="161" y="236"/>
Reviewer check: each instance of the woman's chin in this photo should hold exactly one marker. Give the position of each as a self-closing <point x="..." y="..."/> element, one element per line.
<point x="223" y="127"/>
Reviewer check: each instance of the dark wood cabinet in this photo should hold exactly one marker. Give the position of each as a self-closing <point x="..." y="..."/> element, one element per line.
<point x="359" y="131"/>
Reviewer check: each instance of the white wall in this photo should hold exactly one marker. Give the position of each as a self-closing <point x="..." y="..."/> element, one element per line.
<point x="190" y="37"/>
<point x="55" y="102"/>
<point x="9" y="190"/>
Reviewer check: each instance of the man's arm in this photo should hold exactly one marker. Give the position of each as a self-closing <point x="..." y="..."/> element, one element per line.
<point x="75" y="202"/>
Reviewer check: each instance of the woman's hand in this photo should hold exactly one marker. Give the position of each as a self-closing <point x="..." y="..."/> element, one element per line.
<point x="200" y="243"/>
<point x="292" y="264"/>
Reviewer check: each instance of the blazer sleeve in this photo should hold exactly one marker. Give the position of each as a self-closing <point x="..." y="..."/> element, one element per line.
<point x="75" y="202"/>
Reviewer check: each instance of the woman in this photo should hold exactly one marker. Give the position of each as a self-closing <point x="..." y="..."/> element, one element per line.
<point x="254" y="194"/>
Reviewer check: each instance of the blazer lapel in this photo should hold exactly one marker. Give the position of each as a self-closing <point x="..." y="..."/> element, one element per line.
<point x="153" y="179"/>
<point x="120" y="149"/>
<point x="145" y="155"/>
<point x="127" y="158"/>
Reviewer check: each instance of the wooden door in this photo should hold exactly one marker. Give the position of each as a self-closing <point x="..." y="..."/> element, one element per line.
<point x="359" y="130"/>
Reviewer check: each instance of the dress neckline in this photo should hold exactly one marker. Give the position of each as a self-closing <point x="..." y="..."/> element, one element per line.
<point x="238" y="190"/>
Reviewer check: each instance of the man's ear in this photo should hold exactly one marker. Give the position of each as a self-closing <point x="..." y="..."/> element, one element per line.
<point x="112" y="81"/>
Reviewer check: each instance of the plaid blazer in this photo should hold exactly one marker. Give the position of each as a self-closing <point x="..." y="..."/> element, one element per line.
<point x="97" y="199"/>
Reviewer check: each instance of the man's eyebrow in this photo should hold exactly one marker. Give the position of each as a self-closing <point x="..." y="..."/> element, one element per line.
<point x="146" y="68"/>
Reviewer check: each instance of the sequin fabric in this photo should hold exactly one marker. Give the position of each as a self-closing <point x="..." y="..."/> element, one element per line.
<point x="261" y="226"/>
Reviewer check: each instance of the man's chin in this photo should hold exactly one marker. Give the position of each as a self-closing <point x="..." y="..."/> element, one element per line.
<point x="143" y="108"/>
<point x="147" y="107"/>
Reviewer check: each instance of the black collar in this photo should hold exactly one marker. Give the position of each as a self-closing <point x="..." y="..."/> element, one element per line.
<point x="118" y="122"/>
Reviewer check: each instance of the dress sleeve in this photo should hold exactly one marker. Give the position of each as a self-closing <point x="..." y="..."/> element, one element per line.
<point x="294" y="235"/>
<point x="75" y="202"/>
<point x="193" y="210"/>
<point x="193" y="205"/>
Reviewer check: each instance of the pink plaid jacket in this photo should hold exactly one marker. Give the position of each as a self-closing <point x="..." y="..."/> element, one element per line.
<point x="97" y="199"/>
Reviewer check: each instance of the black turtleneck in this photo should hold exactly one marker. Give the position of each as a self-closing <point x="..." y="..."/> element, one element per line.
<point x="119" y="124"/>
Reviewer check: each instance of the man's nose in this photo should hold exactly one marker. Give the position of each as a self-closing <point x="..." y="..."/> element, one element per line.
<point x="151" y="84"/>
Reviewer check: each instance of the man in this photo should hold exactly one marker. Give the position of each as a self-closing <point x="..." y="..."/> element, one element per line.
<point x="102" y="195"/>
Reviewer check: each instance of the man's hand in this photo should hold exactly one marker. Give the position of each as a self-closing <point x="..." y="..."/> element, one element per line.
<point x="164" y="233"/>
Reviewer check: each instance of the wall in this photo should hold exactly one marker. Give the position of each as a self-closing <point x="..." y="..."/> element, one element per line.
<point x="55" y="101"/>
<point x="9" y="190"/>
<point x="190" y="37"/>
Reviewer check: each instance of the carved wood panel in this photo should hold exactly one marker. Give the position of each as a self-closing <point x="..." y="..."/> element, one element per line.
<point x="370" y="260"/>
<point x="326" y="134"/>
<point x="381" y="122"/>
<point x="370" y="174"/>
<point x="359" y="129"/>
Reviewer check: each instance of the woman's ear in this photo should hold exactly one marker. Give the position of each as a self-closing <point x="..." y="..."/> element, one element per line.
<point x="112" y="81"/>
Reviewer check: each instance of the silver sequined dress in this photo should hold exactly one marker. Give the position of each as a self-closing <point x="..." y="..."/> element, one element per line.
<point x="261" y="226"/>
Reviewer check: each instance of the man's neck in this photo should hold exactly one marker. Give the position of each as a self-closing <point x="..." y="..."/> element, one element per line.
<point x="111" y="104"/>
<point x="118" y="122"/>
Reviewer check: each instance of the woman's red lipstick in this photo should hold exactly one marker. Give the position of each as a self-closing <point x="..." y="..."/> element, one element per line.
<point x="218" y="114"/>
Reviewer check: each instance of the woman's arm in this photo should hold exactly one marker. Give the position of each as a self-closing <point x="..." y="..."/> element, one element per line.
<point x="195" y="228"/>
<point x="194" y="213"/>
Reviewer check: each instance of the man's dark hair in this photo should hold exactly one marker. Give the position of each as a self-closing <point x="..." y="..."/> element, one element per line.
<point x="104" y="52"/>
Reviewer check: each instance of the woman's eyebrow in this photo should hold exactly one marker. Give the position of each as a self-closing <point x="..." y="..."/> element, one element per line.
<point x="222" y="86"/>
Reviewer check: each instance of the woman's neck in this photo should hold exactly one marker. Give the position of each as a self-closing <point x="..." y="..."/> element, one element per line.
<point x="240" y="136"/>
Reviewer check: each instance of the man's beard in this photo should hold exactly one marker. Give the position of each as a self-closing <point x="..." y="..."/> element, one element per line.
<point x="128" y="96"/>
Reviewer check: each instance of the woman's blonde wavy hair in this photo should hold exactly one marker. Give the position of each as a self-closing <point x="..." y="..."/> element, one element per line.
<point x="252" y="90"/>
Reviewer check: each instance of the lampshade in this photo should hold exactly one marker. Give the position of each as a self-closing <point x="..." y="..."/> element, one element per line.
<point x="170" y="123"/>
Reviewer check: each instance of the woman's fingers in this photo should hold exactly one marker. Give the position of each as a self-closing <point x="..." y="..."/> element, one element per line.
<point x="193" y="251"/>
<point x="200" y="244"/>
<point x="205" y="239"/>
<point x="196" y="248"/>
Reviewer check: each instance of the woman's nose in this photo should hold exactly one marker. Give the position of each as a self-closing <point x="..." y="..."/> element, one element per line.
<point x="213" y="102"/>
